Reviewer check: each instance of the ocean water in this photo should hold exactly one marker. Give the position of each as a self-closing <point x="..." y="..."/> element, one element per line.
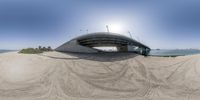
<point x="4" y="51"/>
<point x="176" y="52"/>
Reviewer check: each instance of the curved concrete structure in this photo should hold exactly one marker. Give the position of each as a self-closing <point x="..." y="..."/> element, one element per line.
<point x="85" y="43"/>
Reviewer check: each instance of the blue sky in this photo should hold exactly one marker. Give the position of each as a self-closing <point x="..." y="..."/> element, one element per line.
<point x="168" y="24"/>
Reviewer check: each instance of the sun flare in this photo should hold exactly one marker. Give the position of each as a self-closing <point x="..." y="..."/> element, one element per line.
<point x="116" y="28"/>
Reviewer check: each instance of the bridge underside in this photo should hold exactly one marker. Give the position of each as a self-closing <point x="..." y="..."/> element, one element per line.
<point x="122" y="45"/>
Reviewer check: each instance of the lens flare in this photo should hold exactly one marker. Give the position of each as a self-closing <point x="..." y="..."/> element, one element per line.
<point x="116" y="28"/>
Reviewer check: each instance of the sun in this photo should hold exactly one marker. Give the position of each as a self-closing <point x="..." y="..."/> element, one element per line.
<point x="116" y="28"/>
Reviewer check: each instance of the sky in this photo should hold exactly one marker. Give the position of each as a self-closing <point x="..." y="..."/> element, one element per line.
<point x="169" y="24"/>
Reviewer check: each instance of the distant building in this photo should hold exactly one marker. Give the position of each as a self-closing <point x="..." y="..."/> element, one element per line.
<point x="90" y="42"/>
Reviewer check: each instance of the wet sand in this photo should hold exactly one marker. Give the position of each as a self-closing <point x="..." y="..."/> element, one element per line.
<point x="61" y="76"/>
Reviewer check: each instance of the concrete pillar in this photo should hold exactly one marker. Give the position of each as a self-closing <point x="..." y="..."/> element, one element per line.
<point x="144" y="51"/>
<point x="122" y="48"/>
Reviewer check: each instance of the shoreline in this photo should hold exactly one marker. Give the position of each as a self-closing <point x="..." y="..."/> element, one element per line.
<point x="109" y="53"/>
<point x="169" y="55"/>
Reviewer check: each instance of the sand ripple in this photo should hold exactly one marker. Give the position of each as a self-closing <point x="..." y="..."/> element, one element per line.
<point x="58" y="76"/>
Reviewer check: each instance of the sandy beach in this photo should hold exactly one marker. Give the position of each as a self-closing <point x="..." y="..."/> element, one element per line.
<point x="125" y="76"/>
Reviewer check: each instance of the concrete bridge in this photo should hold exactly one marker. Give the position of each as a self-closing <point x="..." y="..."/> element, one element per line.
<point x="85" y="43"/>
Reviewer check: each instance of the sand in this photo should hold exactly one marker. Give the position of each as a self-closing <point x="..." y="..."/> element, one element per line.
<point x="123" y="76"/>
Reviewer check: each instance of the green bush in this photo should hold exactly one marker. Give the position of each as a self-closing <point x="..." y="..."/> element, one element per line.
<point x="31" y="51"/>
<point x="40" y="49"/>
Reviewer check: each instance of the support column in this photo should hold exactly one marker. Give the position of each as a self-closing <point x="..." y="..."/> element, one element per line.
<point x="122" y="48"/>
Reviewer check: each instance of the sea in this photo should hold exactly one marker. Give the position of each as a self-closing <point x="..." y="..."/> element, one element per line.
<point x="175" y="52"/>
<point x="4" y="51"/>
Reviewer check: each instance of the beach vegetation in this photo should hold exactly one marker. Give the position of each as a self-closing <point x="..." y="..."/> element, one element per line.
<point x="31" y="51"/>
<point x="38" y="50"/>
